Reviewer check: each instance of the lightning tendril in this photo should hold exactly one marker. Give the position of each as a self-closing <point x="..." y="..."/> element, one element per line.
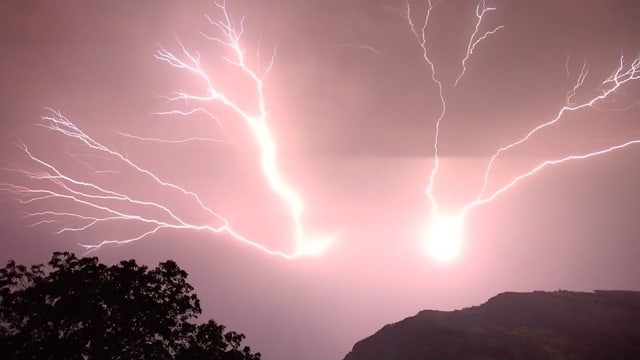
<point x="444" y="230"/>
<point x="103" y="205"/>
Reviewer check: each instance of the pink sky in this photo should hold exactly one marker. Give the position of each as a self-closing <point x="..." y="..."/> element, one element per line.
<point x="352" y="106"/>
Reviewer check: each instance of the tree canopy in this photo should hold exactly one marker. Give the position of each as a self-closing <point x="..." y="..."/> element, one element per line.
<point x="79" y="308"/>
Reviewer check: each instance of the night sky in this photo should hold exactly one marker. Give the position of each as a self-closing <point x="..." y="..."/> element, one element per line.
<point x="352" y="107"/>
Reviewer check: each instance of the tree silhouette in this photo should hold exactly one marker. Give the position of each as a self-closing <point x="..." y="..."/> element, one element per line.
<point x="78" y="308"/>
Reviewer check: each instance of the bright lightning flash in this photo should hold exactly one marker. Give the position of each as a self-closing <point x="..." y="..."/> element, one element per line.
<point x="445" y="234"/>
<point x="103" y="205"/>
<point x="445" y="231"/>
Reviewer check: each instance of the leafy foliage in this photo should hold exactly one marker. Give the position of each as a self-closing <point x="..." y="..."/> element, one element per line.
<point x="78" y="308"/>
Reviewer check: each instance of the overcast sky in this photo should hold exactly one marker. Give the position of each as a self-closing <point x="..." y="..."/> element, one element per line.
<point x="352" y="107"/>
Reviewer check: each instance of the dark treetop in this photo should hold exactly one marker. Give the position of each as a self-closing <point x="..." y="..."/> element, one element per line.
<point x="78" y="308"/>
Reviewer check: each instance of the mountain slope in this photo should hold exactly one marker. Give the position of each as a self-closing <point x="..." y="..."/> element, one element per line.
<point x="539" y="325"/>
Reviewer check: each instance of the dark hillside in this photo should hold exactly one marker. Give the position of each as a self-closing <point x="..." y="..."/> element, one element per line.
<point x="539" y="325"/>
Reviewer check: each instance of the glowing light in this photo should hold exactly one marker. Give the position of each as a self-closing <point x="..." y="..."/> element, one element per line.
<point x="106" y="205"/>
<point x="445" y="235"/>
<point x="445" y="232"/>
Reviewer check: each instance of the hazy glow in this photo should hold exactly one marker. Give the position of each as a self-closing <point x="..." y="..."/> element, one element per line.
<point x="445" y="236"/>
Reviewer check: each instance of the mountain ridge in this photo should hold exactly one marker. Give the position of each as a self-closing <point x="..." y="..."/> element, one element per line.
<point x="603" y="324"/>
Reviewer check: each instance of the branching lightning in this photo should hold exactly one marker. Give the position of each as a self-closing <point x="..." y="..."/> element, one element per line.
<point x="444" y="234"/>
<point x="422" y="40"/>
<point x="474" y="40"/>
<point x="99" y="204"/>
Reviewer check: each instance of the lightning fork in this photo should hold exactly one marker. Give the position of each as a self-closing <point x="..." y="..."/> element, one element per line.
<point x="622" y="75"/>
<point x="257" y="123"/>
<point x="445" y="229"/>
<point x="101" y="200"/>
<point x="421" y="36"/>
<point x="474" y="40"/>
<point x="106" y="205"/>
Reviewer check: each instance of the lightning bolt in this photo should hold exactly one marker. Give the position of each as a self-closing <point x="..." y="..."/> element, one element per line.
<point x="104" y="205"/>
<point x="474" y="40"/>
<point x="444" y="232"/>
<point x="421" y="36"/>
<point x="620" y="76"/>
